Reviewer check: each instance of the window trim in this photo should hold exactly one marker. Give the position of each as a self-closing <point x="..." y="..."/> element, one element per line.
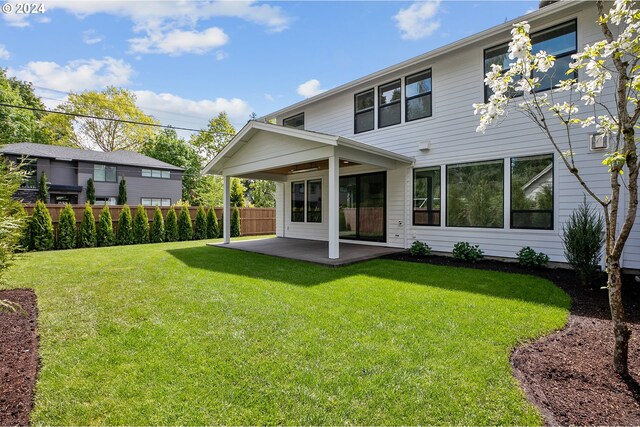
<point x="371" y="109"/>
<point x="388" y="104"/>
<point x="105" y="166"/>
<point x="413" y="193"/>
<point x="409" y="98"/>
<point x="294" y="117"/>
<point x="553" y="198"/>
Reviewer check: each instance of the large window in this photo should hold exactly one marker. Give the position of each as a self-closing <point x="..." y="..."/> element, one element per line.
<point x="364" y="104"/>
<point x="296" y="122"/>
<point x="426" y="196"/>
<point x="153" y="201"/>
<point x="417" y="92"/>
<point x="532" y="192"/>
<point x="297" y="201"/>
<point x="156" y="173"/>
<point x="389" y="97"/>
<point x="559" y="41"/>
<point x="475" y="194"/>
<point x="104" y="173"/>
<point x="311" y="198"/>
<point x="314" y="201"/>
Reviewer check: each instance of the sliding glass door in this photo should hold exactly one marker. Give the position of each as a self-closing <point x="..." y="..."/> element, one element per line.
<point x="363" y="207"/>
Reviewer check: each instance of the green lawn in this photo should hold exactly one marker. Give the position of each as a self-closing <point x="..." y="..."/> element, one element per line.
<point x="181" y="333"/>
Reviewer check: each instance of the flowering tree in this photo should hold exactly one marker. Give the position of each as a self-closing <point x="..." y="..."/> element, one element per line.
<point x="610" y="67"/>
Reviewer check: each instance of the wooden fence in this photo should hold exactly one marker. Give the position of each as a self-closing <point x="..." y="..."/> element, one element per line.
<point x="253" y="221"/>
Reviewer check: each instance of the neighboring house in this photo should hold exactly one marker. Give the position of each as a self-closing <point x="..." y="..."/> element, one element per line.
<point x="149" y="181"/>
<point x="394" y="157"/>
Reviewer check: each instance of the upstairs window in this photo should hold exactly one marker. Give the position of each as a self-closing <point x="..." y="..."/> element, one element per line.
<point x="156" y="173"/>
<point x="389" y="97"/>
<point x="104" y="173"/>
<point x="417" y="92"/>
<point x="364" y="105"/>
<point x="295" y="122"/>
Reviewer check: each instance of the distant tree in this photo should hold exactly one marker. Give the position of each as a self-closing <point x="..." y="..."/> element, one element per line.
<point x="67" y="229"/>
<point x="91" y="192"/>
<point x="235" y="223"/>
<point x="105" y="235"/>
<point x="185" y="229"/>
<point x="124" y="233"/>
<point x="213" y="229"/>
<point x="88" y="228"/>
<point x="42" y="235"/>
<point x="122" y="192"/>
<point x="210" y="191"/>
<point x="171" y="226"/>
<point x="157" y="228"/>
<point x="211" y="140"/>
<point x="200" y="226"/>
<point x="141" y="226"/>
<point x="237" y="193"/>
<point x="263" y="193"/>
<point x="43" y="189"/>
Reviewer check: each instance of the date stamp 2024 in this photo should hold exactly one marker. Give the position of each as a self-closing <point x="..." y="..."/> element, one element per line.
<point x="23" y="8"/>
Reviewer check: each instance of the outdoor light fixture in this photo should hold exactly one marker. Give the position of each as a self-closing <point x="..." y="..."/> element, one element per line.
<point x="303" y="170"/>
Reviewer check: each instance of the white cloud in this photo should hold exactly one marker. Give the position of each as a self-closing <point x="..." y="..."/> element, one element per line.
<point x="176" y="42"/>
<point x="269" y="97"/>
<point x="418" y="20"/>
<point x="76" y="76"/>
<point x="4" y="53"/>
<point x="310" y="88"/>
<point x="91" y="37"/>
<point x="221" y="55"/>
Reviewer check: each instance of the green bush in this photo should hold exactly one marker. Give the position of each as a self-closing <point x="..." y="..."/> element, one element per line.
<point x="43" y="189"/>
<point x="185" y="228"/>
<point x="141" y="226"/>
<point x="213" y="230"/>
<point x="24" y="240"/>
<point x="200" y="226"/>
<point x="582" y="237"/>
<point x="124" y="234"/>
<point x="464" y="251"/>
<point x="171" y="226"/>
<point x="157" y="228"/>
<point x="235" y="222"/>
<point x="122" y="192"/>
<point x="88" y="228"/>
<point x="67" y="229"/>
<point x="91" y="192"/>
<point x="528" y="257"/>
<point x="41" y="228"/>
<point x="105" y="236"/>
<point x="419" y="249"/>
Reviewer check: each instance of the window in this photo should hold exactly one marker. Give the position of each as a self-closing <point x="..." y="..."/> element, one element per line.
<point x="417" y="92"/>
<point x="152" y="201"/>
<point x="314" y="201"/>
<point x="364" y="104"/>
<point x="102" y="200"/>
<point x="297" y="201"/>
<point x="155" y="173"/>
<point x="389" y="96"/>
<point x="104" y="173"/>
<point x="560" y="41"/>
<point x="295" y="122"/>
<point x="475" y="194"/>
<point x="426" y="196"/>
<point x="532" y="192"/>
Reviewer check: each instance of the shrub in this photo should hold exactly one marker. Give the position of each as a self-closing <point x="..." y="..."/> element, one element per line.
<point x="43" y="189"/>
<point x="91" y="192"/>
<point x="213" y="230"/>
<point x="67" y="229"/>
<point x="105" y="236"/>
<point x="582" y="237"/>
<point x="464" y="251"/>
<point x="41" y="228"/>
<point x="88" y="228"/>
<point x="124" y="235"/>
<point x="141" y="226"/>
<point x="419" y="249"/>
<point x="235" y="223"/>
<point x="24" y="240"/>
<point x="200" y="226"/>
<point x="528" y="257"/>
<point x="185" y="229"/>
<point x="171" y="226"/>
<point x="157" y="229"/>
<point x="122" y="192"/>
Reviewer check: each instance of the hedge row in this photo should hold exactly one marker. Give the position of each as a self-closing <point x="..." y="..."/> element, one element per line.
<point x="39" y="233"/>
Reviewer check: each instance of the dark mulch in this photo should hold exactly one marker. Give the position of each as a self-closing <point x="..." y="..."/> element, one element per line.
<point x="568" y="375"/>
<point x="18" y="358"/>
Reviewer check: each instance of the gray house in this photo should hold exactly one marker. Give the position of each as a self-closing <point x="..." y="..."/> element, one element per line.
<point x="149" y="181"/>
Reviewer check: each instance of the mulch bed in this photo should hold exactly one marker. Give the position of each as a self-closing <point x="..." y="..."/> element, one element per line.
<point x="568" y="375"/>
<point x="18" y="358"/>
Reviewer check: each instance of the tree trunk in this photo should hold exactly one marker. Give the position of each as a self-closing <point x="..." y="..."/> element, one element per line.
<point x="621" y="331"/>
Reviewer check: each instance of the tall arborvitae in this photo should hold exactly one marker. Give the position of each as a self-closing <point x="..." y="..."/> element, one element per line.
<point x="213" y="229"/>
<point x="91" y="192"/>
<point x="43" y="189"/>
<point x="67" y="229"/>
<point x="235" y="223"/>
<point x="42" y="236"/>
<point x="200" y="226"/>
<point x="157" y="228"/>
<point x="185" y="228"/>
<point x="105" y="236"/>
<point x="124" y="234"/>
<point x="122" y="192"/>
<point x="141" y="226"/>
<point x="171" y="226"/>
<point x="88" y="228"/>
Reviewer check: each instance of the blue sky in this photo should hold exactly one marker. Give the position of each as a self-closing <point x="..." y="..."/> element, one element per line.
<point x="189" y="60"/>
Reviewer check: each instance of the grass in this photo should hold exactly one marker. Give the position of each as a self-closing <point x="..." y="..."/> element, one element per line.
<point x="181" y="333"/>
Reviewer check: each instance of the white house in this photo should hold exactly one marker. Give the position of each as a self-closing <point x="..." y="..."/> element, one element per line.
<point x="394" y="157"/>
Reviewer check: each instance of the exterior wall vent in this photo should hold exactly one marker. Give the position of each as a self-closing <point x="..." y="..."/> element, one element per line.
<point x="598" y="142"/>
<point x="424" y="146"/>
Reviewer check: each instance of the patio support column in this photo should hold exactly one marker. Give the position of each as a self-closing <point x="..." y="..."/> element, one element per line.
<point x="226" y="215"/>
<point x="334" y="206"/>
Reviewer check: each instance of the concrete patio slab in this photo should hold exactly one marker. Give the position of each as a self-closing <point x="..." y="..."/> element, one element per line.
<point x="309" y="250"/>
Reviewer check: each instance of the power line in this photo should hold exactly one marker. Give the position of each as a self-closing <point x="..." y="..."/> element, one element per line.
<point x="86" y="116"/>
